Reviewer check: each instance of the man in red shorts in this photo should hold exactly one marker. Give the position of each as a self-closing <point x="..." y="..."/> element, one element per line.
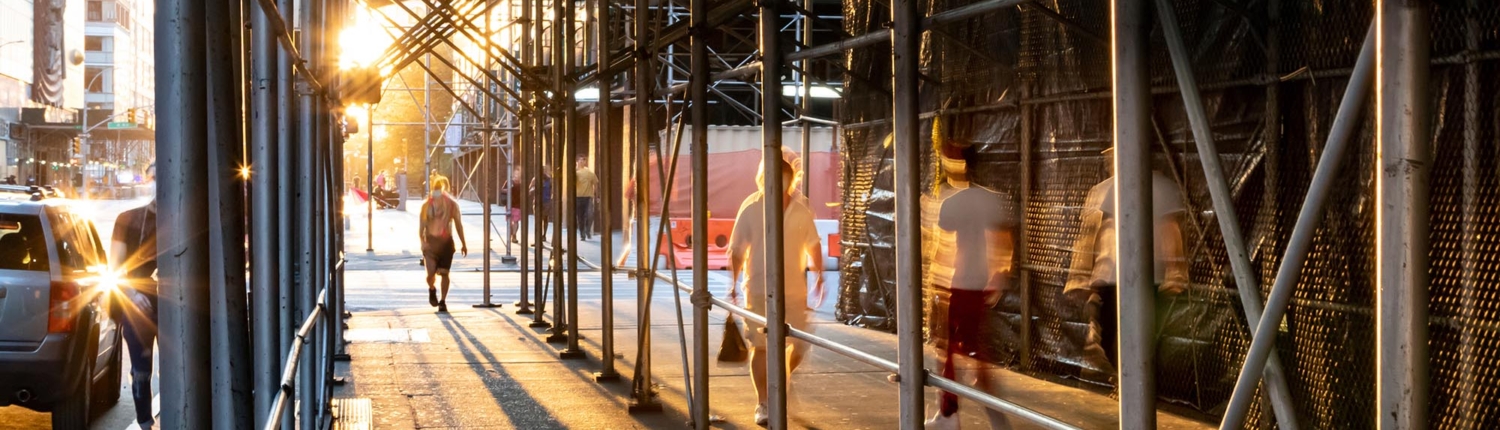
<point x="975" y="241"/>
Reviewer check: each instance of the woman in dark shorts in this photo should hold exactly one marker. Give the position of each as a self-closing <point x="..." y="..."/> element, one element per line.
<point x="440" y="220"/>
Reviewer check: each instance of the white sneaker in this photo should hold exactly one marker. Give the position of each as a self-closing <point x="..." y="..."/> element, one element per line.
<point x="762" y="417"/>
<point x="940" y="422"/>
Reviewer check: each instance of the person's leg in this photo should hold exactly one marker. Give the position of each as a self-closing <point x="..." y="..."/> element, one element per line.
<point x="444" y="274"/>
<point x="1109" y="321"/>
<point x="139" y="336"/>
<point x="430" y="263"/>
<point x="758" y="373"/>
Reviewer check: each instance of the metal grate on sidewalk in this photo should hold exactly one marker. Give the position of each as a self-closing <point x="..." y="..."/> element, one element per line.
<point x="352" y="414"/>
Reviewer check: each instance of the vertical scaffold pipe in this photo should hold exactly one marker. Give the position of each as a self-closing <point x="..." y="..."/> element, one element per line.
<point x="287" y="199"/>
<point x="775" y="275"/>
<point x="1132" y="138"/>
<point x="905" y="44"/>
<point x="264" y="241"/>
<point x="228" y="322"/>
<point x="641" y="116"/>
<point x="606" y="149"/>
<point x="570" y="144"/>
<point x="182" y="222"/>
<point x="698" y="90"/>
<point x="1246" y="281"/>
<point x="1403" y="160"/>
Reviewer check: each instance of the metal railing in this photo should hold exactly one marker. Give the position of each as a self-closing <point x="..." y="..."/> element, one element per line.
<point x="323" y="359"/>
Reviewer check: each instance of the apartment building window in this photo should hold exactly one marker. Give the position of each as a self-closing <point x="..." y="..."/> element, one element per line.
<point x="99" y="43"/>
<point x="99" y="79"/>
<point x="109" y="11"/>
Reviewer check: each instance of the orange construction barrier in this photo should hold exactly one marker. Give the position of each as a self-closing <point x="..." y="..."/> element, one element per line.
<point x="680" y="250"/>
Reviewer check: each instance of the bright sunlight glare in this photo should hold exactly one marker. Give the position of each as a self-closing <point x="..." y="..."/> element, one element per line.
<point x="363" y="43"/>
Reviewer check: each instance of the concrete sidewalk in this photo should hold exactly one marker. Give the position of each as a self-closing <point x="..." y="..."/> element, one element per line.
<point x="485" y="368"/>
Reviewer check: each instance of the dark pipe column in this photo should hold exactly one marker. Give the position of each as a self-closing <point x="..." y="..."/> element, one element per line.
<point x="286" y="206"/>
<point x="539" y="130"/>
<point x="306" y="202"/>
<point x="570" y="176"/>
<point x="265" y="239"/>
<point x="229" y="335"/>
<point x="182" y="221"/>
<point x="905" y="43"/>
<point x="771" y="68"/>
<point x="698" y="90"/>
<point x="522" y="142"/>
<point x="641" y="116"/>
<point x="555" y="151"/>
<point x="603" y="109"/>
<point x="1132" y="138"/>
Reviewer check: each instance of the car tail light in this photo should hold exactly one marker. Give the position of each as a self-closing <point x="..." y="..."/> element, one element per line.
<point x="63" y="306"/>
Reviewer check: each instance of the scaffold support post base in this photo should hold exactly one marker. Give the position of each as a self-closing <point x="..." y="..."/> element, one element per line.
<point x="523" y="310"/>
<point x="509" y="260"/>
<point x="557" y="338"/>
<point x="539" y="324"/>
<point x="342" y="357"/>
<point x="602" y="377"/>
<point x="487" y="305"/>
<point x="339" y="380"/>
<point x="638" y="407"/>
<point x="571" y="354"/>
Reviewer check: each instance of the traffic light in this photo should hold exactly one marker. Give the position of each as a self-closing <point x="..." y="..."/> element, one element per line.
<point x="130" y="116"/>
<point x="77" y="145"/>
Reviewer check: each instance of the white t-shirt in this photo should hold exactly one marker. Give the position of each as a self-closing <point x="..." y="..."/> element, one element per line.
<point x="1166" y="200"/>
<point x="799" y="235"/>
<point x="972" y="215"/>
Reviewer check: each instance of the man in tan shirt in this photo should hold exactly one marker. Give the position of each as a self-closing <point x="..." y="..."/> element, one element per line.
<point x="586" y="186"/>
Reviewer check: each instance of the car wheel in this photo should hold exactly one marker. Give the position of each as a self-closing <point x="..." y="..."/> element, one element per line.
<point x="73" y="412"/>
<point x="107" y="390"/>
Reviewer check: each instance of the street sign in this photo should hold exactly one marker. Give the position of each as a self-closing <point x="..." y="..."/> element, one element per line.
<point x="116" y="125"/>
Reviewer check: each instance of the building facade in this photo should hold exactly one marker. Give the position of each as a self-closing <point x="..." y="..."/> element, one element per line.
<point x="41" y="87"/>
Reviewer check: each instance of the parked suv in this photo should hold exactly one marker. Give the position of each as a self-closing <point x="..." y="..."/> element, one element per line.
<point x="59" y="348"/>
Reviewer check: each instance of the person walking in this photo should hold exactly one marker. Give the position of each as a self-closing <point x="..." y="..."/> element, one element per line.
<point x="803" y="252"/>
<point x="513" y="212"/>
<point x="439" y="221"/>
<point x="133" y="256"/>
<point x="653" y="202"/>
<point x="973" y="263"/>
<point x="585" y="186"/>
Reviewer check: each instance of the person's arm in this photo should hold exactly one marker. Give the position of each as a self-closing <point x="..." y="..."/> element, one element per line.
<point x="738" y="245"/>
<point x="422" y="224"/>
<point x="815" y="257"/>
<point x="1081" y="271"/>
<point x="458" y="227"/>
<point x="1002" y="251"/>
<point x="1174" y="252"/>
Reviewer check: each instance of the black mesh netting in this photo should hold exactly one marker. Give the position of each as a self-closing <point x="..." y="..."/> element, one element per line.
<point x="1040" y="73"/>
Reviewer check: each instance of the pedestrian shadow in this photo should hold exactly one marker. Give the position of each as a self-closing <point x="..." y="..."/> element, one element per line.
<point x="525" y="411"/>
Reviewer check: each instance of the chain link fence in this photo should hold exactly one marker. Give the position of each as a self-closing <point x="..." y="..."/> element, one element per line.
<point x="1035" y="78"/>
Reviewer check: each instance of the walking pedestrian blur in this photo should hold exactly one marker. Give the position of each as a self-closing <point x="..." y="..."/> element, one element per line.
<point x="585" y="187"/>
<point x="974" y="240"/>
<point x="513" y="210"/>
<point x="653" y="202"/>
<point x="541" y="188"/>
<point x="439" y="223"/>
<point x="133" y="257"/>
<point x="1092" y="279"/>
<point x="803" y="252"/>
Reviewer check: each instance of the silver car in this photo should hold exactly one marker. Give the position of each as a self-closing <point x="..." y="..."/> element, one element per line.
<point x="60" y="349"/>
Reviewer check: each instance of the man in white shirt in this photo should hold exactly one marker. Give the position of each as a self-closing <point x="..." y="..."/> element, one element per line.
<point x="974" y="237"/>
<point x="1092" y="278"/>
<point x="803" y="251"/>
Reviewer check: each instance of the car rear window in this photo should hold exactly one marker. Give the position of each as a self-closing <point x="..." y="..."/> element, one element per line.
<point x="77" y="250"/>
<point x="22" y="244"/>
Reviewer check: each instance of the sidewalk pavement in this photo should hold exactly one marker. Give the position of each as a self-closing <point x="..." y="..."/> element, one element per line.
<point x="485" y="368"/>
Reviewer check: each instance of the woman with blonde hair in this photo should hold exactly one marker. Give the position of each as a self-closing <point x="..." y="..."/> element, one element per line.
<point x="439" y="214"/>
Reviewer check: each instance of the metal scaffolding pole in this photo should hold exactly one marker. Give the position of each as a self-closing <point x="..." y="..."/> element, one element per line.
<point x="228" y="323"/>
<point x="641" y="116"/>
<point x="488" y="154"/>
<point x="1246" y="282"/>
<point x="305" y="233"/>
<point x="775" y="276"/>
<point x="1404" y="134"/>
<point x="182" y="221"/>
<point x="570" y="177"/>
<point x="698" y="90"/>
<point x="804" y="95"/>
<point x="526" y="149"/>
<point x="905" y="50"/>
<point x="1300" y="242"/>
<point x="286" y="205"/>
<point x="605" y="147"/>
<point x="534" y="171"/>
<point x="555" y="149"/>
<point x="1132" y="138"/>
<point x="265" y="266"/>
